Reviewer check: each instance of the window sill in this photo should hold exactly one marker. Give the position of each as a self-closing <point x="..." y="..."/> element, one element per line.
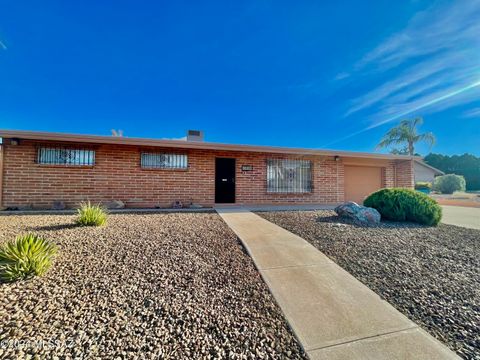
<point x="66" y="166"/>
<point x="163" y="169"/>
<point x="289" y="193"/>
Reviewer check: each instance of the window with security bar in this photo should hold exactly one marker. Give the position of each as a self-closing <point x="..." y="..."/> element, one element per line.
<point x="164" y="161"/>
<point x="65" y="156"/>
<point x="289" y="176"/>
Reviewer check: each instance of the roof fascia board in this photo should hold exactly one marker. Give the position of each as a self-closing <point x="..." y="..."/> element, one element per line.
<point x="50" y="136"/>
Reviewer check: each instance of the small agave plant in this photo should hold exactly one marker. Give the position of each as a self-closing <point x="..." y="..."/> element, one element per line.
<point x="25" y="257"/>
<point x="91" y="215"/>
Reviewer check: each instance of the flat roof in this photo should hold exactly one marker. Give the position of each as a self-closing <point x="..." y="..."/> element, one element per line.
<point x="203" y="145"/>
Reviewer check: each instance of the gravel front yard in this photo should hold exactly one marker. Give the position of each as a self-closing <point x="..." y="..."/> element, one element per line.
<point x="432" y="275"/>
<point x="154" y="286"/>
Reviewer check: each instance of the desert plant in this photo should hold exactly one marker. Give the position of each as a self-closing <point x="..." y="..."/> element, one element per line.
<point x="399" y="204"/>
<point x="423" y="185"/>
<point x="27" y="256"/>
<point x="448" y="184"/>
<point x="91" y="214"/>
<point x="406" y="134"/>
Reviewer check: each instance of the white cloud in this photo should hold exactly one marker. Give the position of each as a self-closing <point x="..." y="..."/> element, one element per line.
<point x="410" y="77"/>
<point x="438" y="55"/>
<point x="437" y="29"/>
<point x="472" y="113"/>
<point x="395" y="113"/>
<point x="342" y="75"/>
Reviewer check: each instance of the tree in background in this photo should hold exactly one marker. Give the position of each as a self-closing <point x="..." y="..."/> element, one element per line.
<point x="467" y="165"/>
<point x="448" y="184"/>
<point x="403" y="151"/>
<point x="406" y="134"/>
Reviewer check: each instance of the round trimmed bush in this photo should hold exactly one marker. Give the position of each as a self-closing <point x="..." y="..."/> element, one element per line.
<point x="448" y="184"/>
<point x="399" y="204"/>
<point x="423" y="185"/>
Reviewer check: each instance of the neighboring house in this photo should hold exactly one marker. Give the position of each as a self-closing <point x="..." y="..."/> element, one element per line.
<point x="40" y="168"/>
<point x="424" y="172"/>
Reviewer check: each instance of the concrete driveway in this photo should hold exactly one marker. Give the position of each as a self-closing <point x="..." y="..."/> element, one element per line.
<point x="468" y="217"/>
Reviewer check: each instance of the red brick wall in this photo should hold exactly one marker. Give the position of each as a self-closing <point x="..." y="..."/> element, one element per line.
<point x="117" y="176"/>
<point x="389" y="175"/>
<point x="405" y="176"/>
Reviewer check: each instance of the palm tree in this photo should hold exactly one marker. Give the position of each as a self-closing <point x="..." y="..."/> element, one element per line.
<point x="406" y="134"/>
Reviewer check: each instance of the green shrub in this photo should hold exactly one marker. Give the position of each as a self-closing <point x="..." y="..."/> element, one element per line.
<point x="27" y="256"/>
<point x="448" y="184"/>
<point x="423" y="185"/>
<point x="400" y="204"/>
<point x="91" y="215"/>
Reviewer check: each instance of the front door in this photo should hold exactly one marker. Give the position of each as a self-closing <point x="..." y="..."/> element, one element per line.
<point x="224" y="180"/>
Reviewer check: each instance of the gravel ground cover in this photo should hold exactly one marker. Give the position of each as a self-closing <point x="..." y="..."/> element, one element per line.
<point x="432" y="275"/>
<point x="176" y="285"/>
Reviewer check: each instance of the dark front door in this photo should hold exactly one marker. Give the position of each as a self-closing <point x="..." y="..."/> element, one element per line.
<point x="224" y="180"/>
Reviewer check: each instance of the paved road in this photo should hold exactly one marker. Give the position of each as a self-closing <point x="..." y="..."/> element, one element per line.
<point x="461" y="216"/>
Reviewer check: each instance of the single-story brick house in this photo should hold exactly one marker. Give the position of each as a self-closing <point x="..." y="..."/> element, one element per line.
<point x="38" y="169"/>
<point x="424" y="172"/>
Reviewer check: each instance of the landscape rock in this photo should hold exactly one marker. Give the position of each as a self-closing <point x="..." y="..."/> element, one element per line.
<point x="196" y="206"/>
<point x="115" y="204"/>
<point x="19" y="208"/>
<point x="58" y="205"/>
<point x="430" y="274"/>
<point x="146" y="286"/>
<point x="177" y="204"/>
<point x="360" y="214"/>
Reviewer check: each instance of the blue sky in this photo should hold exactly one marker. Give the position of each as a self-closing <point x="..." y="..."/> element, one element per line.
<point x="319" y="74"/>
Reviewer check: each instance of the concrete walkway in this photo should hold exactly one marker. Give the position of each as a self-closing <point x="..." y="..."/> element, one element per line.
<point x="333" y="315"/>
<point x="468" y="217"/>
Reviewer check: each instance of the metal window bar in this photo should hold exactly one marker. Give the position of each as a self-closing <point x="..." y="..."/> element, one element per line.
<point x="164" y="161"/>
<point x="289" y="176"/>
<point x="65" y="156"/>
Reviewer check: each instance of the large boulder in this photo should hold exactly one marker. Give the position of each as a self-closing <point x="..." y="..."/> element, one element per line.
<point x="347" y="209"/>
<point x="177" y="204"/>
<point x="58" y="205"/>
<point x="359" y="214"/>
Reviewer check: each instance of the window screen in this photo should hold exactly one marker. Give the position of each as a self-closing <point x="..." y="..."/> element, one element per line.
<point x="65" y="156"/>
<point x="289" y="176"/>
<point x="164" y="161"/>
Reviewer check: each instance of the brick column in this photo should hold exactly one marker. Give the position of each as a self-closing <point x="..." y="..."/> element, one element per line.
<point x="340" y="181"/>
<point x="404" y="174"/>
<point x="389" y="175"/>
